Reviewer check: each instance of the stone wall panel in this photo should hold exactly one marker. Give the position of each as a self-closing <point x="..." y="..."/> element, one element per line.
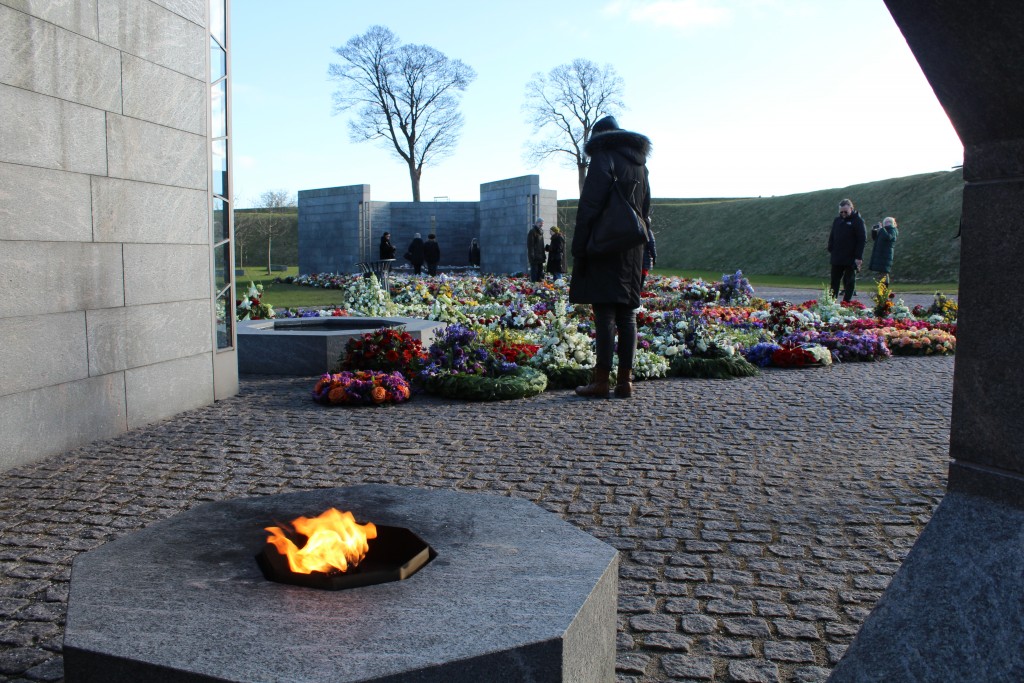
<point x="62" y="135"/>
<point x="157" y="392"/>
<point x="162" y="273"/>
<point x="63" y="64"/>
<point x="130" y="211"/>
<point x="44" y="422"/>
<point x="42" y="350"/>
<point x="146" y="30"/>
<point x="134" y="336"/>
<point x="138" y="150"/>
<point x="78" y="16"/>
<point x="159" y="95"/>
<point x="43" y="204"/>
<point x="57" y="277"/>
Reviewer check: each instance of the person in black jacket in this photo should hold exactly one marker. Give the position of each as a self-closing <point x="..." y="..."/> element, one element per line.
<point x="387" y="250"/>
<point x="414" y="254"/>
<point x="474" y="253"/>
<point x="556" y="253"/>
<point x="846" y="246"/>
<point x="432" y="254"/>
<point x="611" y="282"/>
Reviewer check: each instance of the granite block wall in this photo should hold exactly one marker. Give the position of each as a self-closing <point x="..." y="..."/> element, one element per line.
<point x="334" y="224"/>
<point x="106" y="318"/>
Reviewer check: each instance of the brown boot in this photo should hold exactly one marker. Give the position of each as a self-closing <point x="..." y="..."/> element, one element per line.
<point x="624" y="384"/>
<point x="598" y="386"/>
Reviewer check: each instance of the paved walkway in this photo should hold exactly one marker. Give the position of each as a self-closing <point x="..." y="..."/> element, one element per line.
<point x="759" y="519"/>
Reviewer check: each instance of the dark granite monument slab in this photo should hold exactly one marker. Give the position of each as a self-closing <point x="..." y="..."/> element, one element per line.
<point x="514" y="594"/>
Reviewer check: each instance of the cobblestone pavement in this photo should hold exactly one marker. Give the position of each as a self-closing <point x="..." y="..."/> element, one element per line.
<point x="759" y="519"/>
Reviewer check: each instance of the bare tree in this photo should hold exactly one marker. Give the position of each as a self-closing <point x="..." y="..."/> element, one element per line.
<point x="406" y="96"/>
<point x="564" y="105"/>
<point x="270" y="221"/>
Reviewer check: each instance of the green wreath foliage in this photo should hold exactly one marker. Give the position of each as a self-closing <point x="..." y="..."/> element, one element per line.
<point x="522" y="383"/>
<point x="566" y="377"/>
<point x="724" y="367"/>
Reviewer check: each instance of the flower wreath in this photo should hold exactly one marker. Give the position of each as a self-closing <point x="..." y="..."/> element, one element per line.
<point x="361" y="388"/>
<point x="522" y="382"/>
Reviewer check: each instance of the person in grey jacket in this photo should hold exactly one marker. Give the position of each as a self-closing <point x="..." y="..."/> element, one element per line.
<point x="884" y="237"/>
<point x="611" y="282"/>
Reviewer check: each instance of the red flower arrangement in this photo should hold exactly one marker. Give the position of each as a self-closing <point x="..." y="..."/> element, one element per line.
<point x="793" y="357"/>
<point x="514" y="352"/>
<point x="386" y="349"/>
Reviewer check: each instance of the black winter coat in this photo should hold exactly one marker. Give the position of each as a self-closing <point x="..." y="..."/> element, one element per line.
<point x="846" y="241"/>
<point x="387" y="250"/>
<point x="415" y="252"/>
<point x="610" y="278"/>
<point x="432" y="251"/>
<point x="556" y="254"/>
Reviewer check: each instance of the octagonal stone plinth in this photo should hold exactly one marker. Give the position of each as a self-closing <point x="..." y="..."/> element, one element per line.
<point x="514" y="593"/>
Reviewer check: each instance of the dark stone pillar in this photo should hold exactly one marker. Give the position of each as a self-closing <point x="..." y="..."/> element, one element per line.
<point x="955" y="609"/>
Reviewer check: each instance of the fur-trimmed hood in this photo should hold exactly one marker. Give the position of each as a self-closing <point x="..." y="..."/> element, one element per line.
<point x="633" y="146"/>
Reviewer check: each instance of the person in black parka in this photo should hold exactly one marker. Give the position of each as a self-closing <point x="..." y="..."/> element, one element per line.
<point x="432" y="254"/>
<point x="846" y="249"/>
<point x="556" y="253"/>
<point x="414" y="254"/>
<point x="611" y="282"/>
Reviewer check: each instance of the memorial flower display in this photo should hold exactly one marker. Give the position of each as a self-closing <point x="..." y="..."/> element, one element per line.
<point x="386" y="349"/>
<point x="361" y="388"/>
<point x="507" y="337"/>
<point x="251" y="306"/>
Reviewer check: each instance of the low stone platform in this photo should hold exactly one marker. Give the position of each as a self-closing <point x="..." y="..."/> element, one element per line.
<point x="514" y="593"/>
<point x="297" y="352"/>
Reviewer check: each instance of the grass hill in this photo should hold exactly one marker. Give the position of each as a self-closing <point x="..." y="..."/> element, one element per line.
<point x="788" y="235"/>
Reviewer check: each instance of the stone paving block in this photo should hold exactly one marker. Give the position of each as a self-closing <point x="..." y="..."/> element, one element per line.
<point x="682" y="666"/>
<point x="753" y="671"/>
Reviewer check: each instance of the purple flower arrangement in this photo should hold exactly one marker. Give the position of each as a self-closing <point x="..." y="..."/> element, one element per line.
<point x="459" y="351"/>
<point x="845" y="346"/>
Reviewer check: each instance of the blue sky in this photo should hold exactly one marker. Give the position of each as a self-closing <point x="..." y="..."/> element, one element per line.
<point x="739" y="97"/>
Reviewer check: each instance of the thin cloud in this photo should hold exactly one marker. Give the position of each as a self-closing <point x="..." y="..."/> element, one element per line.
<point x="673" y="13"/>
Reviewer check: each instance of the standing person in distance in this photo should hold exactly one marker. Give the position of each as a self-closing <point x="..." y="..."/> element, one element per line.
<point x="556" y="253"/>
<point x="884" y="237"/>
<point x="387" y="250"/>
<point x="846" y="246"/>
<point x="611" y="282"/>
<point x="414" y="254"/>
<point x="535" y="250"/>
<point x="474" y="254"/>
<point x="432" y="254"/>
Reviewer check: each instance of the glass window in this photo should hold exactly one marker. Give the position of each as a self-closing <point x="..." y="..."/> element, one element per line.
<point x="218" y="25"/>
<point x="222" y="267"/>
<point x="220" y="167"/>
<point x="225" y="318"/>
<point x="220" y="221"/>
<point x="218" y="61"/>
<point x="219" y="109"/>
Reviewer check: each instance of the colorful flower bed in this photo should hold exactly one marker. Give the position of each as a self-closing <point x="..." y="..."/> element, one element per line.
<point x="362" y="388"/>
<point x="507" y="337"/>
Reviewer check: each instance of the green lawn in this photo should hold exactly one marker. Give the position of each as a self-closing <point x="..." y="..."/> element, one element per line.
<point x="292" y="296"/>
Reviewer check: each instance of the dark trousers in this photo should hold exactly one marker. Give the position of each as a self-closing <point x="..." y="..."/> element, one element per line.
<point x="609" y="319"/>
<point x="417" y="268"/>
<point x="848" y="274"/>
<point x="431" y="268"/>
<point x="536" y="272"/>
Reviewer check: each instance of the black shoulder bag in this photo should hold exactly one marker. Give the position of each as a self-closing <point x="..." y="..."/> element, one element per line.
<point x="620" y="226"/>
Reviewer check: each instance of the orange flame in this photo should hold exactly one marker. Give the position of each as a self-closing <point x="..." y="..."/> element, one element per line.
<point x="334" y="542"/>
